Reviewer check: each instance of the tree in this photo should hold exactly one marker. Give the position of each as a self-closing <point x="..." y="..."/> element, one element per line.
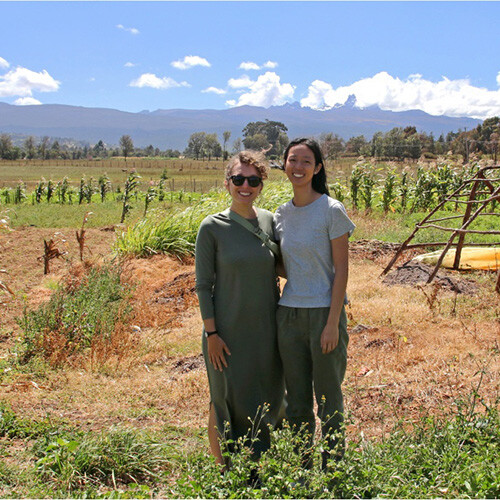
<point x="5" y="147"/>
<point x="225" y="135"/>
<point x="256" y="142"/>
<point x="126" y="145"/>
<point x="99" y="149"/>
<point x="212" y="146"/>
<point x="273" y="132"/>
<point x="236" y="146"/>
<point x="29" y="147"/>
<point x="355" y="145"/>
<point x="196" y="144"/>
<point x="43" y="146"/>
<point x="331" y="145"/>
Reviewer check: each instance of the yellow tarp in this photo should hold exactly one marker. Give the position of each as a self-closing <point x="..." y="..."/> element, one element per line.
<point x="486" y="258"/>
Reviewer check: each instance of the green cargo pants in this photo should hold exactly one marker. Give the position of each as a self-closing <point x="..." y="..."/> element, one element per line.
<point x="307" y="368"/>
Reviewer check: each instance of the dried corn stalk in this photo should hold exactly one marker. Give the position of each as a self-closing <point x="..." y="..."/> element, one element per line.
<point x="80" y="235"/>
<point x="50" y="252"/>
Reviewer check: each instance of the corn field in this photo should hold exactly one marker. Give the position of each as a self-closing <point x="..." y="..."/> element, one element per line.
<point x="367" y="187"/>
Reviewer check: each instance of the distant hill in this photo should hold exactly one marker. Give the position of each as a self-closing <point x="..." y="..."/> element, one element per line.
<point x="171" y="128"/>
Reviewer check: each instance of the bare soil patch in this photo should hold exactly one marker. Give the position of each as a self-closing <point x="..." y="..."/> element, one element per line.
<point x="414" y="272"/>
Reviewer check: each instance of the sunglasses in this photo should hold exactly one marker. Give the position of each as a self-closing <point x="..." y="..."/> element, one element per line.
<point x="253" y="180"/>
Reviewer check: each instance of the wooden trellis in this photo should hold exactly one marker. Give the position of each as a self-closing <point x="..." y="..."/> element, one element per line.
<point x="480" y="184"/>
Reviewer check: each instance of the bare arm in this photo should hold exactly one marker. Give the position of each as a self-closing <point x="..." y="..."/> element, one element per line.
<point x="340" y="256"/>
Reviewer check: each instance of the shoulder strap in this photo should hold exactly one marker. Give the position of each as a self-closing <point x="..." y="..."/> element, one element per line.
<point x="264" y="237"/>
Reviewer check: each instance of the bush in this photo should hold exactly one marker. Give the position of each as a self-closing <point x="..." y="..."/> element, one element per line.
<point x="84" y="311"/>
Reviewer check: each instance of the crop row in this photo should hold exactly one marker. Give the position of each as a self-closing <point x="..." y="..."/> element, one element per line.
<point x="367" y="187"/>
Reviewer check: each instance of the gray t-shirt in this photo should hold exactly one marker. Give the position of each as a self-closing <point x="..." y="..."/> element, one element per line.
<point x="304" y="234"/>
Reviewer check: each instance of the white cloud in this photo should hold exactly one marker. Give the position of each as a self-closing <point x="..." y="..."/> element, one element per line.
<point x="240" y="83"/>
<point x="27" y="101"/>
<point x="231" y="102"/>
<point x="270" y="65"/>
<point x="498" y="78"/>
<point x="133" y="31"/>
<point x="266" y="91"/>
<point x="22" y="82"/>
<point x="445" y="97"/>
<point x="249" y="65"/>
<point x="155" y="82"/>
<point x="3" y="63"/>
<point x="129" y="65"/>
<point x="214" y="90"/>
<point x="191" y="61"/>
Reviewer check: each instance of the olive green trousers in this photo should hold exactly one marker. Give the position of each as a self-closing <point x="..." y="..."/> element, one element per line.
<point x="307" y="371"/>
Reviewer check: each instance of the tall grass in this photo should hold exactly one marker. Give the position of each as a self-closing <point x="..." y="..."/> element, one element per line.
<point x="174" y="232"/>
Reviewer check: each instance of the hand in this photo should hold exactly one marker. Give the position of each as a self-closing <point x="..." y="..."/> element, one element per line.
<point x="329" y="338"/>
<point x="216" y="348"/>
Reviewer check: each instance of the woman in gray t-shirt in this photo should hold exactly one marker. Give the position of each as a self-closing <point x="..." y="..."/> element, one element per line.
<point x="313" y="231"/>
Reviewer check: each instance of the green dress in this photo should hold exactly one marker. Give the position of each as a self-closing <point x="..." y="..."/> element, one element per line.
<point x="236" y="285"/>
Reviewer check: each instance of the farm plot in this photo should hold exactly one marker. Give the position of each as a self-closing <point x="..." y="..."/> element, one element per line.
<point x="416" y="352"/>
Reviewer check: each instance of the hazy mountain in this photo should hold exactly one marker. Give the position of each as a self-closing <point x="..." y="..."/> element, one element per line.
<point x="171" y="128"/>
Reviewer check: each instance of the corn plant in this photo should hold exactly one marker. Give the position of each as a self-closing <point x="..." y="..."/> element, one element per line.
<point x="131" y="185"/>
<point x="150" y="196"/>
<point x="367" y="186"/>
<point x="62" y="190"/>
<point x="104" y="186"/>
<point x="50" y="190"/>
<point x="40" y="190"/>
<point x="403" y="190"/>
<point x="6" y="195"/>
<point x="389" y="193"/>
<point x="81" y="190"/>
<point x="89" y="190"/>
<point x="423" y="190"/>
<point x="20" y="193"/>
<point x="355" y="184"/>
<point x="338" y="191"/>
<point x="80" y="235"/>
<point x="444" y="181"/>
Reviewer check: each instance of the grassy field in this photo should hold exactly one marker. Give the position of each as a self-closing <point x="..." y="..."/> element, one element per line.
<point x="103" y="391"/>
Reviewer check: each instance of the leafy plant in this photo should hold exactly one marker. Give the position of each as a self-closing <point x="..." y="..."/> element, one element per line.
<point x="131" y="185"/>
<point x="83" y="310"/>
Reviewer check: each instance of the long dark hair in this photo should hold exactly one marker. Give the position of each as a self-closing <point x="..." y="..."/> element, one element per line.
<point x="319" y="183"/>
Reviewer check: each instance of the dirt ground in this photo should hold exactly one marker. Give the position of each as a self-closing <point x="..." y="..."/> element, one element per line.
<point x="414" y="349"/>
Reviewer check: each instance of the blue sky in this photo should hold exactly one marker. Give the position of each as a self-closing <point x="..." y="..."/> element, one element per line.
<point x="441" y="57"/>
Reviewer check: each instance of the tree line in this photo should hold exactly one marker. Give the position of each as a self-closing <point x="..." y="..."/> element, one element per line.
<point x="398" y="143"/>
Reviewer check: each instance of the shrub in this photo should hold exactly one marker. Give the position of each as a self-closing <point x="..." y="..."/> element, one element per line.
<point x="83" y="311"/>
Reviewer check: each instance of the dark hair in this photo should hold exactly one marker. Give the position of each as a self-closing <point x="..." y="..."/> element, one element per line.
<point x="319" y="183"/>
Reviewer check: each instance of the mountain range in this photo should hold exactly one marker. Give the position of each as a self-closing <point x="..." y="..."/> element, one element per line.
<point x="171" y="128"/>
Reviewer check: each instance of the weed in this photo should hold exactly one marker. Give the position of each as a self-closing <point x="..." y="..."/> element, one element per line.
<point x="80" y="312"/>
<point x="451" y="458"/>
<point x="114" y="458"/>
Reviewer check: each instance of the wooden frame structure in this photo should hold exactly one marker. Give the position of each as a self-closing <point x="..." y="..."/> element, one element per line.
<point x="479" y="184"/>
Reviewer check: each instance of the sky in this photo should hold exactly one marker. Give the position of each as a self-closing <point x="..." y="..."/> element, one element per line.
<point x="439" y="57"/>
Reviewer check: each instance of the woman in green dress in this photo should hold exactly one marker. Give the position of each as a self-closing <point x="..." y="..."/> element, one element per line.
<point x="238" y="294"/>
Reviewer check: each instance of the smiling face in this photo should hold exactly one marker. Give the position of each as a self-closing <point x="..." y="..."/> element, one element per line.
<point x="245" y="194"/>
<point x="300" y="165"/>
